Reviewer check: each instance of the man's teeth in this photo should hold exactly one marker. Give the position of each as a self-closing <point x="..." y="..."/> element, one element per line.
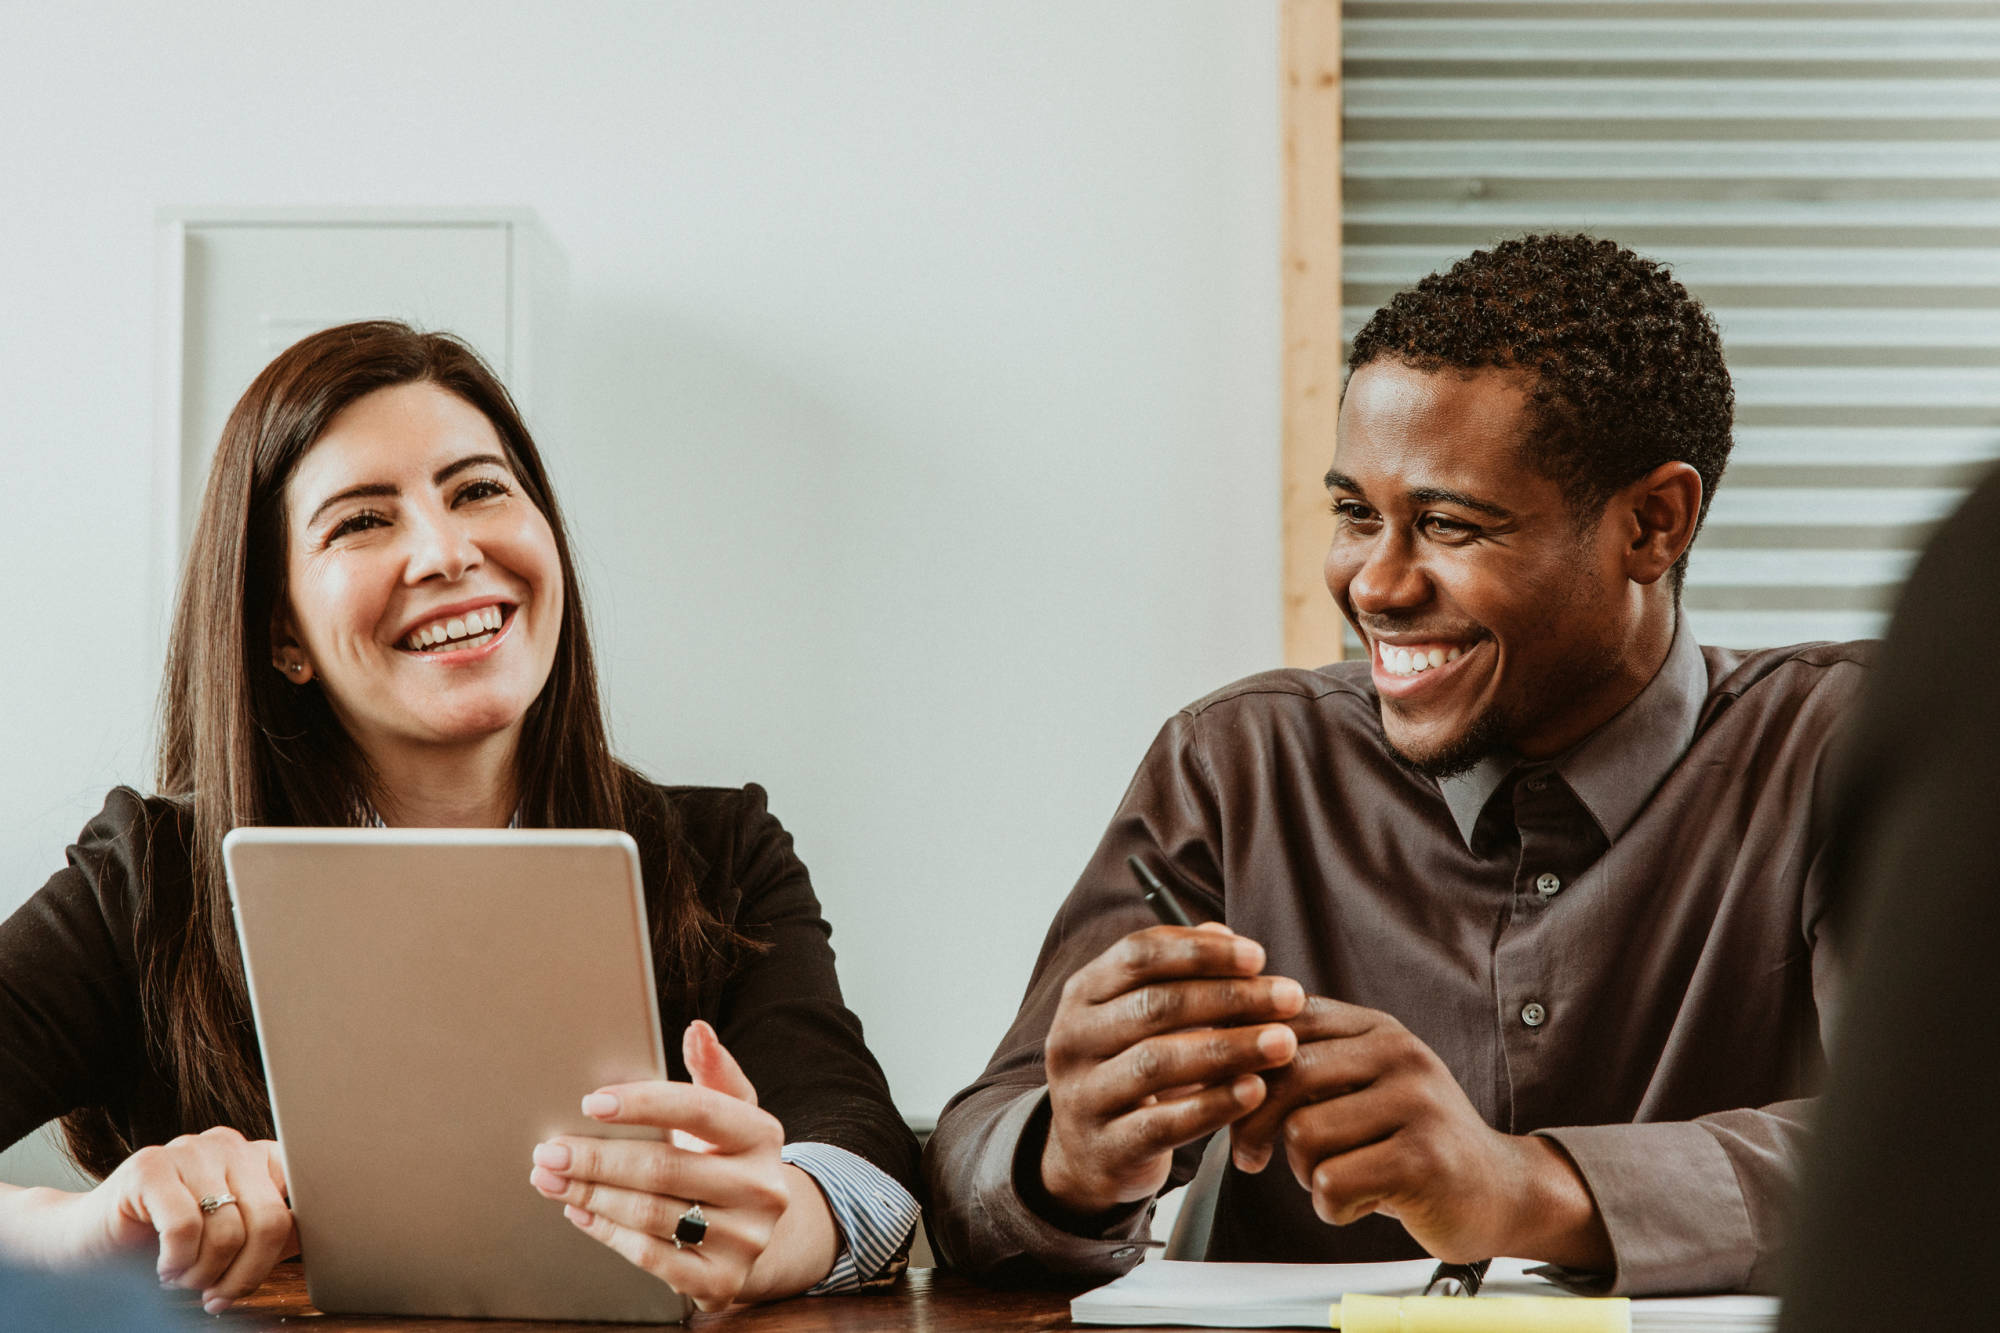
<point x="1409" y="661"/>
<point x="468" y="631"/>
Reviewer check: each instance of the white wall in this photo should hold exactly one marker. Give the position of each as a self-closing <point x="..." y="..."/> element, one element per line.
<point x="920" y="386"/>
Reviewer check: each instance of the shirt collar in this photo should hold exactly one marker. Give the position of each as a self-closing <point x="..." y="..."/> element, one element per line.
<point x="1615" y="768"/>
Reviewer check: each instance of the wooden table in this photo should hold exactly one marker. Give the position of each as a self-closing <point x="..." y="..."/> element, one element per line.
<point x="925" y="1299"/>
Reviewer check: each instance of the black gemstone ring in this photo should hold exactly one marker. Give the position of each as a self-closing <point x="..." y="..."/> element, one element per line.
<point x="692" y="1228"/>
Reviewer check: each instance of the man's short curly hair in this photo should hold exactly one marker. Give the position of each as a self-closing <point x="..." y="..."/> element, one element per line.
<point x="1626" y="368"/>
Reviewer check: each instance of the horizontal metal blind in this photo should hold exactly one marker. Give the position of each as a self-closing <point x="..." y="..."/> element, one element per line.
<point x="1824" y="176"/>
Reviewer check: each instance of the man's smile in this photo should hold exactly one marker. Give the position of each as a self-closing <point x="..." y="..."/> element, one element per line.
<point x="1419" y="667"/>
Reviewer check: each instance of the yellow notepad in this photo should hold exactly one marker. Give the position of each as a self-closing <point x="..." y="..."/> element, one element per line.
<point x="1359" y="1312"/>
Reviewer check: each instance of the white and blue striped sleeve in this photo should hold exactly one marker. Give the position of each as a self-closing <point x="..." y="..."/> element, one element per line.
<point x="877" y="1217"/>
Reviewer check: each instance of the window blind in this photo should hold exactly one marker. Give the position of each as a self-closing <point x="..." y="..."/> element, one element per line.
<point x="1823" y="174"/>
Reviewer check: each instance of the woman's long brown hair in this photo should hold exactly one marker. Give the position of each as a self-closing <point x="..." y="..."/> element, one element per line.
<point x="241" y="746"/>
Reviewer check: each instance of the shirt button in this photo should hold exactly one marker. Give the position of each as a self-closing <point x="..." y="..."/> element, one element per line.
<point x="1547" y="886"/>
<point x="1538" y="784"/>
<point x="1533" y="1014"/>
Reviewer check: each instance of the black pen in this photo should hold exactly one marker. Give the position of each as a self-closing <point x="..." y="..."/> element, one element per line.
<point x="1165" y="906"/>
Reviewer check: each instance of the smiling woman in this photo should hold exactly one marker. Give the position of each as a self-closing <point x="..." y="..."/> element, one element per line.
<point x="408" y="530"/>
<point x="380" y="622"/>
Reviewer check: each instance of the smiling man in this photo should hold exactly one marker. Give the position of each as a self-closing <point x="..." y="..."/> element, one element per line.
<point x="1515" y="940"/>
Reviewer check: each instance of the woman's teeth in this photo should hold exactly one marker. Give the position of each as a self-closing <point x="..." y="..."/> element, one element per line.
<point x="472" y="630"/>
<point x="1409" y="661"/>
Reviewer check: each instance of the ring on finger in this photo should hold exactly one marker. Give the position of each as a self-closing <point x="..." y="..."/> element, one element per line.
<point x="210" y="1202"/>
<point x="691" y="1229"/>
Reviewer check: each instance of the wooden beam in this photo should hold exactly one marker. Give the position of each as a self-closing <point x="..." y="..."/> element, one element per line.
<point x="1309" y="64"/>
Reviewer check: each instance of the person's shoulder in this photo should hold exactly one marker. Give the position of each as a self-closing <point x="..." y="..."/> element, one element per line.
<point x="1803" y="690"/>
<point x="715" y="810"/>
<point x="1834" y="668"/>
<point x="1328" y="713"/>
<point x="137" y="845"/>
<point x="736" y="852"/>
<point x="720" y="826"/>
<point x="137" y="828"/>
<point x="1290" y="689"/>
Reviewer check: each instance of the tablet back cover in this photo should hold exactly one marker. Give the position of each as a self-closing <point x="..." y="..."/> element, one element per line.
<point x="431" y="1004"/>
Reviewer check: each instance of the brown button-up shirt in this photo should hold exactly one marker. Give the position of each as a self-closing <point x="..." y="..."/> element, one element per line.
<point x="1622" y="948"/>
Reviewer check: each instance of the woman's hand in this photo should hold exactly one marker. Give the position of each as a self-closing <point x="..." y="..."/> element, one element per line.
<point x="154" y="1198"/>
<point x="769" y="1232"/>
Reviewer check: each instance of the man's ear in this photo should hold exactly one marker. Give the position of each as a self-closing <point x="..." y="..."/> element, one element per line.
<point x="1661" y="509"/>
<point x="288" y="655"/>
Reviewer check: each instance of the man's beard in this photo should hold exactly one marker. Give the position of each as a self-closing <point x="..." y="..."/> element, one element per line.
<point x="1498" y="728"/>
<point x="1489" y="733"/>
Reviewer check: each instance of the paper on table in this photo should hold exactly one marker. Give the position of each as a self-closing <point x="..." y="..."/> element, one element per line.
<point x="1172" y="1291"/>
<point x="1165" y="1291"/>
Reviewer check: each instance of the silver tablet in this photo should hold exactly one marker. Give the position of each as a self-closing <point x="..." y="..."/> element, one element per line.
<point x="431" y="1004"/>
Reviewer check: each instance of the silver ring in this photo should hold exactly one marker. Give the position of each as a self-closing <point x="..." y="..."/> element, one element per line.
<point x="691" y="1229"/>
<point x="211" y="1202"/>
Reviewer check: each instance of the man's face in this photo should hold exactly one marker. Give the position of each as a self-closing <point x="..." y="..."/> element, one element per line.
<point x="1493" y="617"/>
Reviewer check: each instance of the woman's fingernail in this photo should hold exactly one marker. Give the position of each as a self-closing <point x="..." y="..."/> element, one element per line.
<point x="600" y="1105"/>
<point x="576" y="1215"/>
<point x="547" y="1181"/>
<point x="1274" y="1042"/>
<point x="1246" y="1090"/>
<point x="216" y="1306"/>
<point x="554" y="1156"/>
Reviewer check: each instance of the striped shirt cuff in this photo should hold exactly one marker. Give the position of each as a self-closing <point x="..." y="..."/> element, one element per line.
<point x="877" y="1217"/>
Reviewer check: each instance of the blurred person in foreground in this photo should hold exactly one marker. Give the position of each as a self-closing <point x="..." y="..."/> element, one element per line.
<point x="1900" y="1216"/>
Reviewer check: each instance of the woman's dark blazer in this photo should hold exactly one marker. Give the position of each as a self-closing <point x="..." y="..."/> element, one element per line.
<point x="71" y="1035"/>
